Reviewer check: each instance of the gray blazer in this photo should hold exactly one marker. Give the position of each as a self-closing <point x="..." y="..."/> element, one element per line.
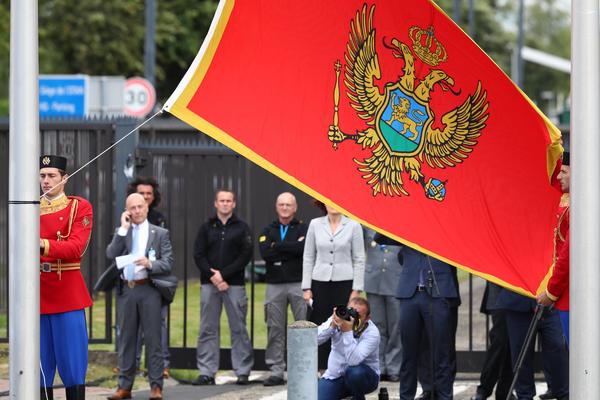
<point x="334" y="257"/>
<point x="382" y="271"/>
<point x="158" y="239"/>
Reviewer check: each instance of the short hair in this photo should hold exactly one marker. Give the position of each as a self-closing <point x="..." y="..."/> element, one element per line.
<point x="363" y="302"/>
<point x="320" y="205"/>
<point x="145" y="180"/>
<point x="221" y="190"/>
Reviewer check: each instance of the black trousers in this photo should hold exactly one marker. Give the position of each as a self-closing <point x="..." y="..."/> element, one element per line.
<point x="327" y="295"/>
<point x="497" y="367"/>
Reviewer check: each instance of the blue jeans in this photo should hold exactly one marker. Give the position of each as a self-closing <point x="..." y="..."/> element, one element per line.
<point x="564" y="321"/>
<point x="356" y="382"/>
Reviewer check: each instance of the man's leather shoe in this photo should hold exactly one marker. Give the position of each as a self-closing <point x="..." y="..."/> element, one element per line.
<point x="242" y="380"/>
<point x="203" y="380"/>
<point x="273" y="381"/>
<point x="547" y="396"/>
<point x="393" y="378"/>
<point x="156" y="393"/>
<point x="426" y="395"/>
<point x="120" y="394"/>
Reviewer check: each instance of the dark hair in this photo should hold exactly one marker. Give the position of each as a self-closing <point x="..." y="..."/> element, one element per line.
<point x="144" y="180"/>
<point x="363" y="302"/>
<point x="320" y="205"/>
<point x="221" y="190"/>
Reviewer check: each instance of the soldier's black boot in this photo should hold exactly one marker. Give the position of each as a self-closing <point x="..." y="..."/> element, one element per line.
<point x="46" y="391"/>
<point x="75" y="392"/>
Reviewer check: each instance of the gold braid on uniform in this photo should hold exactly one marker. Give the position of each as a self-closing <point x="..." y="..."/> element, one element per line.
<point x="60" y="237"/>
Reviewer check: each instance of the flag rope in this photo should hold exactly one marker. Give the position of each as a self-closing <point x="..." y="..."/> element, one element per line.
<point x="102" y="153"/>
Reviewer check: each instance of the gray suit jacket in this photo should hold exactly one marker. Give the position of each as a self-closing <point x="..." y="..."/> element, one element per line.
<point x="382" y="270"/>
<point x="334" y="257"/>
<point x="158" y="239"/>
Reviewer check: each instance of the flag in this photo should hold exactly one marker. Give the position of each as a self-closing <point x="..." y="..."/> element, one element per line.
<point x="388" y="111"/>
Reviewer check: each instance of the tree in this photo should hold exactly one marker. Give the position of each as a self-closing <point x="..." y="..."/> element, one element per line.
<point x="553" y="38"/>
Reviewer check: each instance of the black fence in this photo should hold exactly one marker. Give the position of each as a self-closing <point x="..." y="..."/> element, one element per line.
<point x="189" y="167"/>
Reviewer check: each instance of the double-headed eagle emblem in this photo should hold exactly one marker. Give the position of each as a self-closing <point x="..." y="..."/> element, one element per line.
<point x="400" y="122"/>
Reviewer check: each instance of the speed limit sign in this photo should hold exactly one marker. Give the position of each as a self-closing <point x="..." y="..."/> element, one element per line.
<point x="139" y="97"/>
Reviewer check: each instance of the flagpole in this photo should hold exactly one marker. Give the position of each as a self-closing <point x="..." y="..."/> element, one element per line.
<point x="585" y="202"/>
<point x="23" y="211"/>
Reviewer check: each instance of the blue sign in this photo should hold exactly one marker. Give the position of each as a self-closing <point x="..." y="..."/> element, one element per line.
<point x="63" y="95"/>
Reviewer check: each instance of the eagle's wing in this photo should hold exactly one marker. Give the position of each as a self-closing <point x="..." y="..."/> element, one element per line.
<point x="362" y="65"/>
<point x="383" y="172"/>
<point x="463" y="126"/>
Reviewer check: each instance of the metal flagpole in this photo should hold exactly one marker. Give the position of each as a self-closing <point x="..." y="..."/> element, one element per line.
<point x="24" y="211"/>
<point x="584" y="354"/>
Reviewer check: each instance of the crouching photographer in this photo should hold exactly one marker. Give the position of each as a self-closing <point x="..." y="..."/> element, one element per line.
<point x="353" y="364"/>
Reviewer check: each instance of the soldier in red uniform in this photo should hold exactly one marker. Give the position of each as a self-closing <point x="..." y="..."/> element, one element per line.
<point x="65" y="227"/>
<point x="557" y="290"/>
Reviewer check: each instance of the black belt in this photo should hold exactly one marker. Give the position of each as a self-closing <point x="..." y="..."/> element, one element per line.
<point x="421" y="288"/>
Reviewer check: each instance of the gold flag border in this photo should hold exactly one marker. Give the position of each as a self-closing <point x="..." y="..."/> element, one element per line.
<point x="178" y="102"/>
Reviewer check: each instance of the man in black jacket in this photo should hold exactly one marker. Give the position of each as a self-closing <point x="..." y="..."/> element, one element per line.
<point x="281" y="246"/>
<point x="222" y="250"/>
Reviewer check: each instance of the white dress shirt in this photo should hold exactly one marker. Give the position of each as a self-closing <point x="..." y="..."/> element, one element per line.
<point x="348" y="351"/>
<point x="141" y="236"/>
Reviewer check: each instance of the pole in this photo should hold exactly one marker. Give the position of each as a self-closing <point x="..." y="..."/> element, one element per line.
<point x="584" y="374"/>
<point x="302" y="361"/>
<point x="456" y="11"/>
<point x="24" y="211"/>
<point x="472" y="18"/>
<point x="520" y="70"/>
<point x="149" y="42"/>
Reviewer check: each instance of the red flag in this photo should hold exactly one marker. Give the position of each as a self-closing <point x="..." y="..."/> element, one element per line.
<point x="388" y="111"/>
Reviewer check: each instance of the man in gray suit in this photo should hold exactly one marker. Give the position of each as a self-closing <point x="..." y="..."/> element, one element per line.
<point x="382" y="273"/>
<point x="139" y="302"/>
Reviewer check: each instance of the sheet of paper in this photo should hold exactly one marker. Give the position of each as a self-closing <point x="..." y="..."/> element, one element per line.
<point x="123" y="261"/>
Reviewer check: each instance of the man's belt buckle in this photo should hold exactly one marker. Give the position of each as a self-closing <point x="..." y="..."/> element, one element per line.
<point x="131" y="284"/>
<point x="46" y="267"/>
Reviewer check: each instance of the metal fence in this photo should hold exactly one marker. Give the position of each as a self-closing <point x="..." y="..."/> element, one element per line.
<point x="189" y="167"/>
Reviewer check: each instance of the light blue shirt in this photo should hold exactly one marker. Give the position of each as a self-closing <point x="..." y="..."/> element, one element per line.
<point x="348" y="351"/>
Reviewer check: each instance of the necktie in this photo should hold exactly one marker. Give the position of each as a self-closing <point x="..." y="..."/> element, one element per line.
<point x="130" y="269"/>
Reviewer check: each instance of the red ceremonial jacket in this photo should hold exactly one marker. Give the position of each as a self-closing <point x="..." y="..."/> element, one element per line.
<point x="558" y="285"/>
<point x="65" y="228"/>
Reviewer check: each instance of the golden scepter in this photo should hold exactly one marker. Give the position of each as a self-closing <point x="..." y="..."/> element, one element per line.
<point x="334" y="129"/>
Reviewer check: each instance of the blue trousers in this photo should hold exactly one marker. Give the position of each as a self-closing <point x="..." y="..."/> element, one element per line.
<point x="356" y="382"/>
<point x="63" y="344"/>
<point x="554" y="352"/>
<point x="564" y="321"/>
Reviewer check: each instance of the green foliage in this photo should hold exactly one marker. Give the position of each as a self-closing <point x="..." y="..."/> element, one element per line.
<point x="548" y="28"/>
<point x="490" y="34"/>
<point x="99" y="37"/>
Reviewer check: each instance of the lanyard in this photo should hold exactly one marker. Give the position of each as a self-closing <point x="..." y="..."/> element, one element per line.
<point x="283" y="231"/>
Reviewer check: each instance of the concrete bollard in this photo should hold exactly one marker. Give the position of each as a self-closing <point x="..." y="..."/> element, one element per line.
<point x="302" y="361"/>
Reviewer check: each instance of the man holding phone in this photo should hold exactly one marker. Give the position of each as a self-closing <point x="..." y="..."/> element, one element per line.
<point x="138" y="300"/>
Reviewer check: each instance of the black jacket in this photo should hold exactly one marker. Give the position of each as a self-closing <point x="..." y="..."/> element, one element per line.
<point x="283" y="258"/>
<point x="227" y="248"/>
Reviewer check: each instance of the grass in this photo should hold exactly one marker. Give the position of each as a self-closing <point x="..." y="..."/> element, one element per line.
<point x="184" y="319"/>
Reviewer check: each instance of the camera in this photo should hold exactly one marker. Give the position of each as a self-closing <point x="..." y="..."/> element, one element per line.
<point x="346" y="313"/>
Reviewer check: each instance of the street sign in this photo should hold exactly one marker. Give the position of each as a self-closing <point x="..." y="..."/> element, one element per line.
<point x="139" y="97"/>
<point x="63" y="95"/>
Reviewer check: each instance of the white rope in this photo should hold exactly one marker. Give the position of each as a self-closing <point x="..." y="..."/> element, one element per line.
<point x="102" y="153"/>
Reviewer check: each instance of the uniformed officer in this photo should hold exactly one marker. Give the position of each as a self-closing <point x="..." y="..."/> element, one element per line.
<point x="382" y="273"/>
<point x="65" y="228"/>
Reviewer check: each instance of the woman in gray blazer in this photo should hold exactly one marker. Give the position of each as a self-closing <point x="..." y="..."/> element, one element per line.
<point x="333" y="263"/>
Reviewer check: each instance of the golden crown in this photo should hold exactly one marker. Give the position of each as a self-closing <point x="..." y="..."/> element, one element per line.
<point x="426" y="46"/>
